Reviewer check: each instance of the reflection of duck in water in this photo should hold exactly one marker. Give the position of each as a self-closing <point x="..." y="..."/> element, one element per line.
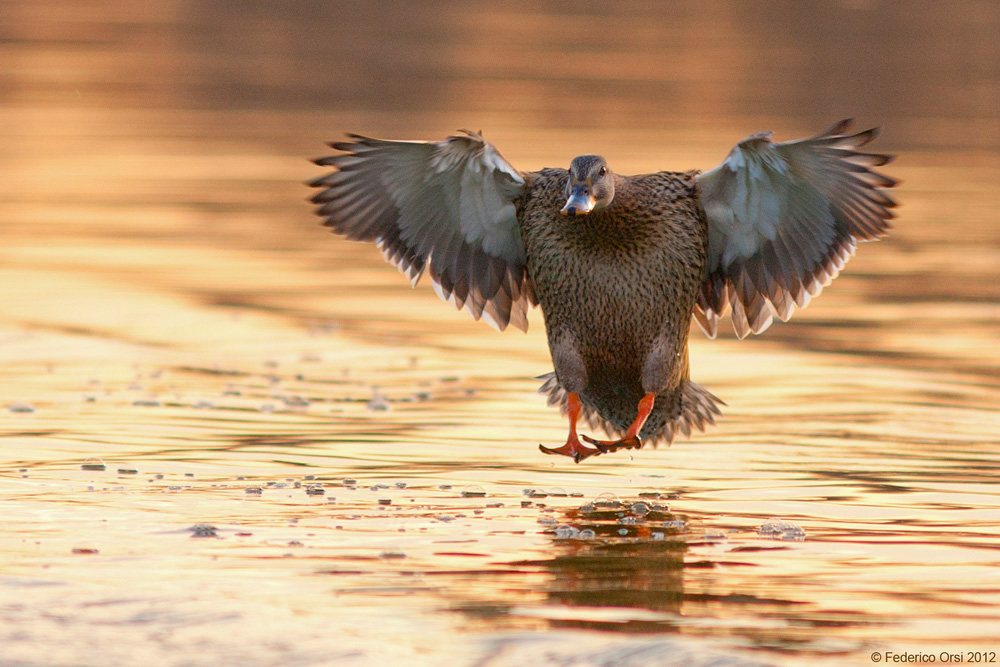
<point x="618" y="264"/>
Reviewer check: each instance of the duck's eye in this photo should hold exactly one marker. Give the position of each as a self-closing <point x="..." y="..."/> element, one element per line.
<point x="603" y="171"/>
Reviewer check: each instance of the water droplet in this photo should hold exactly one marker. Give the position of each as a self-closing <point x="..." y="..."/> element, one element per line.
<point x="473" y="491"/>
<point x="639" y="508"/>
<point x="93" y="463"/>
<point x="565" y="532"/>
<point x="607" y="499"/>
<point x="781" y="529"/>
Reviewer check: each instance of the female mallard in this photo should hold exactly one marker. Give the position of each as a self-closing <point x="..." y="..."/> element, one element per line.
<point x="618" y="264"/>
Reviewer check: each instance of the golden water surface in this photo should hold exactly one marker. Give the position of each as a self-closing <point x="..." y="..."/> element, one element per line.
<point x="305" y="462"/>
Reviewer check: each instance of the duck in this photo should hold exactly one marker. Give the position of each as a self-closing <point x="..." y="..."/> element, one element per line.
<point x="619" y="265"/>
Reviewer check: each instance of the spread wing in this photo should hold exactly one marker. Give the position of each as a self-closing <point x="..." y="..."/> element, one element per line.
<point x="447" y="207"/>
<point x="783" y="219"/>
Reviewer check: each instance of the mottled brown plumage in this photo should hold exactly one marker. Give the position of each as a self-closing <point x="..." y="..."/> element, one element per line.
<point x="618" y="264"/>
<point x="617" y="288"/>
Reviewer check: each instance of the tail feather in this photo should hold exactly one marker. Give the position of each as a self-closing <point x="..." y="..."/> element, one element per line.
<point x="698" y="410"/>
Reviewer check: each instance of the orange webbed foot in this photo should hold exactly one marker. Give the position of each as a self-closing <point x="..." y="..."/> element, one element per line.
<point x="612" y="446"/>
<point x="573" y="448"/>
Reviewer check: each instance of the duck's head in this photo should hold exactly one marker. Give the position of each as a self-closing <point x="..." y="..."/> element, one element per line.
<point x="591" y="185"/>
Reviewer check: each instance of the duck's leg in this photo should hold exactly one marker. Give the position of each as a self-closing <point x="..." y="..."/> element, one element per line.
<point x="573" y="446"/>
<point x="631" y="438"/>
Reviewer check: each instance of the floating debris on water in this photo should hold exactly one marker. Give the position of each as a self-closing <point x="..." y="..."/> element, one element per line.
<point x="473" y="491"/>
<point x="93" y="463"/>
<point x="378" y="401"/>
<point x="203" y="530"/>
<point x="779" y="529"/>
<point x="84" y="550"/>
<point x="21" y="407"/>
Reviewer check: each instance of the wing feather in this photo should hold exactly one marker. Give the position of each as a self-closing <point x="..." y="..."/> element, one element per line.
<point x="783" y="220"/>
<point x="446" y="206"/>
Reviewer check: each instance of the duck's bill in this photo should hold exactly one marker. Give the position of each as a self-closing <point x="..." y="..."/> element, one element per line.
<point x="580" y="202"/>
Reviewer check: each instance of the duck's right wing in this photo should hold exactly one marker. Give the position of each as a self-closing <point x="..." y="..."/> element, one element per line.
<point x="446" y="206"/>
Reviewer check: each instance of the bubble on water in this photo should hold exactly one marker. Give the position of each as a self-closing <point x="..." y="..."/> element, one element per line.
<point x="308" y="477"/>
<point x="623" y="531"/>
<point x="586" y="534"/>
<point x="253" y="490"/>
<point x="445" y="518"/>
<point x="715" y="535"/>
<point x="389" y="555"/>
<point x="607" y="499"/>
<point x="565" y="532"/>
<point x="85" y="550"/>
<point x="627" y="521"/>
<point x="548" y="521"/>
<point x="639" y="508"/>
<point x="93" y="463"/>
<point x="538" y="493"/>
<point x="779" y="529"/>
<point x="473" y="491"/>
<point x="128" y="471"/>
<point x="385" y="501"/>
<point x="147" y="403"/>
<point x="678" y="525"/>
<point x="576" y="494"/>
<point x="649" y="493"/>
<point x="267" y="407"/>
<point x="315" y="490"/>
<point x="658" y="536"/>
<point x="204" y="405"/>
<point x="557" y="492"/>
<point x="400" y="485"/>
<point x="349" y="482"/>
<point x="444" y="487"/>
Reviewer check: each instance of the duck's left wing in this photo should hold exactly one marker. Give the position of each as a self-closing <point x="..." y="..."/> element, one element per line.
<point x="783" y="218"/>
<point x="447" y="205"/>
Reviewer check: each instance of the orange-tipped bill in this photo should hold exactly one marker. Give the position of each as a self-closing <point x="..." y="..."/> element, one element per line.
<point x="581" y="201"/>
